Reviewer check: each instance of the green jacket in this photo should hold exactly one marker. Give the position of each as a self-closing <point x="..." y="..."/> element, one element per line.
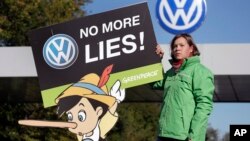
<point x="188" y="101"/>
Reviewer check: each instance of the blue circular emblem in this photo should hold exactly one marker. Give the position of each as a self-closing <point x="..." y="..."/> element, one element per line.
<point x="60" y="51"/>
<point x="181" y="16"/>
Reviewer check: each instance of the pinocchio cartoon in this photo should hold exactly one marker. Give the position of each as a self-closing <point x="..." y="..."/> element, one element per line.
<point x="90" y="107"/>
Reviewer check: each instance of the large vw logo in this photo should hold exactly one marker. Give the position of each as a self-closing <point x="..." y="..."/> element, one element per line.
<point x="60" y="51"/>
<point x="181" y="16"/>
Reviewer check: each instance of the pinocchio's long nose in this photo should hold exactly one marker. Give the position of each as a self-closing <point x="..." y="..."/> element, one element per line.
<point x="42" y="123"/>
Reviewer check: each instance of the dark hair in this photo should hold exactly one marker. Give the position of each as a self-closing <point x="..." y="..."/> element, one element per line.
<point x="69" y="102"/>
<point x="190" y="42"/>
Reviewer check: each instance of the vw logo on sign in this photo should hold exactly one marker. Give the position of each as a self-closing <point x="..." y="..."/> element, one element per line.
<point x="60" y="51"/>
<point x="181" y="16"/>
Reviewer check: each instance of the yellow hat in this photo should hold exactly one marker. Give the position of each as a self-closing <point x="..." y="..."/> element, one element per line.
<point x="87" y="87"/>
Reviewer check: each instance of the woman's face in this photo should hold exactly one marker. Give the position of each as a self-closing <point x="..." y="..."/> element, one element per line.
<point x="182" y="49"/>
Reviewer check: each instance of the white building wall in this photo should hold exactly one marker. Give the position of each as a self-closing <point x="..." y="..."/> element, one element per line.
<point x="17" y="62"/>
<point x="222" y="59"/>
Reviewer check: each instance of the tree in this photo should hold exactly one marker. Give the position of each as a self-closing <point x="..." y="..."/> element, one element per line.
<point x="10" y="130"/>
<point x="137" y="122"/>
<point x="226" y="137"/>
<point x="17" y="17"/>
<point x="212" y="134"/>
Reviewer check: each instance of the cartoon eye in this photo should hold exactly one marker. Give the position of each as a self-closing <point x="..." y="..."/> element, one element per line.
<point x="70" y="116"/>
<point x="81" y="115"/>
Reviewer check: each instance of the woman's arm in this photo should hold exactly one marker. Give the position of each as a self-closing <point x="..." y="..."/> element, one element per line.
<point x="203" y="90"/>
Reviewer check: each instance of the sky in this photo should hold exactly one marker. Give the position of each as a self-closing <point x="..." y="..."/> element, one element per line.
<point x="227" y="21"/>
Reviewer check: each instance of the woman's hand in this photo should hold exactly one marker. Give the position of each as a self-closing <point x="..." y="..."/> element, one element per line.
<point x="159" y="51"/>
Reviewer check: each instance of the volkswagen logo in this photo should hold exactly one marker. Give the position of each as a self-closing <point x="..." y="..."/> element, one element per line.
<point x="181" y="16"/>
<point x="60" y="51"/>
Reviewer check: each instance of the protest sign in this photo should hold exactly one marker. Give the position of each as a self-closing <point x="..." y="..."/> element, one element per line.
<point x="122" y="37"/>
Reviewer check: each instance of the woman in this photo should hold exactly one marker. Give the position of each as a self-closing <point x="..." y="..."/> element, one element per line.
<point x="188" y="92"/>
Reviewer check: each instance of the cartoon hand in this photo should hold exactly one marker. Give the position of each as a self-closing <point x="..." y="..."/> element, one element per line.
<point x="116" y="92"/>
